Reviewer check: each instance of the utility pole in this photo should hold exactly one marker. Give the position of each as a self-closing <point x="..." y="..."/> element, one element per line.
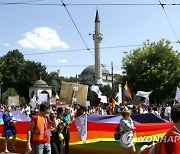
<point x="76" y="78"/>
<point x="112" y="79"/>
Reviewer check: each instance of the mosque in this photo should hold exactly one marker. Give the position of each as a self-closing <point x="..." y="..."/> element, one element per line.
<point x="96" y="74"/>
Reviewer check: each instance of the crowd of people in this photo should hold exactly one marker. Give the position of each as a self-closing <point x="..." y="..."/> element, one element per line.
<point x="49" y="132"/>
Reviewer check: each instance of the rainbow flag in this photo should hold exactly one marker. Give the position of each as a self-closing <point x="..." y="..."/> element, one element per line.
<point x="126" y="90"/>
<point x="113" y="105"/>
<point x="102" y="127"/>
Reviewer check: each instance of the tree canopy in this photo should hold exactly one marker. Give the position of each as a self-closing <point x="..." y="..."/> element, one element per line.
<point x="155" y="66"/>
<point x="18" y="73"/>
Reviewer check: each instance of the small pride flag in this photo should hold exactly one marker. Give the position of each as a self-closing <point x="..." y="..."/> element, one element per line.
<point x="126" y="90"/>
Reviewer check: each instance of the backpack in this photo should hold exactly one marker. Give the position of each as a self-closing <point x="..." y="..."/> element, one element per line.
<point x="117" y="134"/>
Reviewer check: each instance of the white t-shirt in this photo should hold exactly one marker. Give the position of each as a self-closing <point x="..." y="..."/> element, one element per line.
<point x="167" y="111"/>
<point x="156" y="113"/>
<point x="126" y="130"/>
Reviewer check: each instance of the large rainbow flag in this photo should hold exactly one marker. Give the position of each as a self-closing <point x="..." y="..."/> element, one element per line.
<point x="102" y="127"/>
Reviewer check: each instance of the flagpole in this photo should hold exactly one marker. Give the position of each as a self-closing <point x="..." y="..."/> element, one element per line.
<point x="112" y="73"/>
<point x="122" y="94"/>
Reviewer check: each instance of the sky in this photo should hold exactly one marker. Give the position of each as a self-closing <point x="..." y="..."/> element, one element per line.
<point x="47" y="34"/>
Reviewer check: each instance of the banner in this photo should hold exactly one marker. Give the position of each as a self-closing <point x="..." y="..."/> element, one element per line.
<point x="143" y="94"/>
<point x="177" y="97"/>
<point x="81" y="125"/>
<point x="73" y="93"/>
<point x="42" y="98"/>
<point x="146" y="102"/>
<point x="13" y="100"/>
<point x="96" y="90"/>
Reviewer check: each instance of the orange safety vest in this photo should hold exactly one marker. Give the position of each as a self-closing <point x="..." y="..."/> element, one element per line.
<point x="38" y="131"/>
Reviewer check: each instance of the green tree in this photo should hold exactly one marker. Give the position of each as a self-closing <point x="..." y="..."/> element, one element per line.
<point x="69" y="79"/>
<point x="22" y="101"/>
<point x="9" y="92"/>
<point x="107" y="91"/>
<point x="155" y="66"/>
<point x="32" y="71"/>
<point x="18" y="73"/>
<point x="55" y="81"/>
<point x="11" y="67"/>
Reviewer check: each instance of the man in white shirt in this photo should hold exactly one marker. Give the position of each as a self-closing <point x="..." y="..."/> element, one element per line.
<point x="167" y="112"/>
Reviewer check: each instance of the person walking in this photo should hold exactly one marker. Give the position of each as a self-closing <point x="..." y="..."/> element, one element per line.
<point x="39" y="130"/>
<point x="9" y="129"/>
<point x="126" y="131"/>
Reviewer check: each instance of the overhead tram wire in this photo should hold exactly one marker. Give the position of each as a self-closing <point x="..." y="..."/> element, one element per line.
<point x="74" y="50"/>
<point x="76" y="27"/>
<point x="23" y="2"/>
<point x="79" y="32"/>
<point x="107" y="4"/>
<point x="78" y="65"/>
<point x="116" y="4"/>
<point x="53" y="52"/>
<point x="162" y="5"/>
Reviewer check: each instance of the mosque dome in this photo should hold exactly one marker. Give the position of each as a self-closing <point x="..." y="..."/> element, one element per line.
<point x="91" y="70"/>
<point x="40" y="83"/>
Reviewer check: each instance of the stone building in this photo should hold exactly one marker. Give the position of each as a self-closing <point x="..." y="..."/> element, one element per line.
<point x="40" y="87"/>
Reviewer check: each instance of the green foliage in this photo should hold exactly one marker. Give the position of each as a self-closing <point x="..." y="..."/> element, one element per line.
<point x="107" y="91"/>
<point x="18" y="73"/>
<point x="22" y="101"/>
<point x="55" y="82"/>
<point x="91" y="96"/>
<point x="69" y="79"/>
<point x="155" y="66"/>
<point x="118" y="78"/>
<point x="9" y="92"/>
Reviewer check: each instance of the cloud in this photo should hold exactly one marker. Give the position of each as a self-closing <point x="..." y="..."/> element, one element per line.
<point x="62" y="60"/>
<point x="6" y="44"/>
<point x="43" y="38"/>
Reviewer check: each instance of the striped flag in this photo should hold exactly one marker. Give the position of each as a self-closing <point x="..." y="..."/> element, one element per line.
<point x="126" y="90"/>
<point x="81" y="125"/>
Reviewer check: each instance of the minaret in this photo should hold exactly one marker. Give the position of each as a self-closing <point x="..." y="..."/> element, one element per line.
<point x="97" y="37"/>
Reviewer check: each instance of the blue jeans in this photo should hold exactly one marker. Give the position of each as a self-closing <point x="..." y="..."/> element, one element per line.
<point x="44" y="148"/>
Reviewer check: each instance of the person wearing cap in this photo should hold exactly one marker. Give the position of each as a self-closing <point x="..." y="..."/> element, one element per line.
<point x="39" y="130"/>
